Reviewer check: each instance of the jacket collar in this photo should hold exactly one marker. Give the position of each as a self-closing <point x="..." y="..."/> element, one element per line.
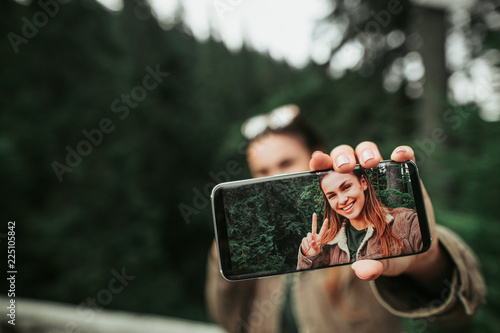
<point x="341" y="238"/>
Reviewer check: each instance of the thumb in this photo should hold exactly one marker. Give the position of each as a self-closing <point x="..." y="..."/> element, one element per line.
<point x="368" y="270"/>
<point x="371" y="269"/>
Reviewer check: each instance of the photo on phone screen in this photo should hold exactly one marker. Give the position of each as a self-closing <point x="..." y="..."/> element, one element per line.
<point x="283" y="224"/>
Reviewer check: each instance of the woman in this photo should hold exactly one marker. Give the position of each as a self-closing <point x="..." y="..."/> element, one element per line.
<point x="340" y="299"/>
<point x="360" y="226"/>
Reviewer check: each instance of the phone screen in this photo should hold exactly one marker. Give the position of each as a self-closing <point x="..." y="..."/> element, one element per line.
<point x="262" y="224"/>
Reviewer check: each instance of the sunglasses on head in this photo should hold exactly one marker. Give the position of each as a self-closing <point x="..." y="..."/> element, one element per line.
<point x="276" y="119"/>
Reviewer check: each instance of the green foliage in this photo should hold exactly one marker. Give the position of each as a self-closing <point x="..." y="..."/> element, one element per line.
<point x="267" y="222"/>
<point x="392" y="186"/>
<point x="406" y="199"/>
<point x="312" y="193"/>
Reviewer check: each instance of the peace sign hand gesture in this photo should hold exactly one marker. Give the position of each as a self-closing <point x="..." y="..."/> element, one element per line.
<point x="312" y="244"/>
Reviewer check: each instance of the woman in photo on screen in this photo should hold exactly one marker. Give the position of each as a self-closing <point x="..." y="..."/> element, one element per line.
<point x="357" y="225"/>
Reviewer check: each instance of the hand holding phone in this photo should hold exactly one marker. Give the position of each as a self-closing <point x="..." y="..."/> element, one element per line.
<point x="312" y="244"/>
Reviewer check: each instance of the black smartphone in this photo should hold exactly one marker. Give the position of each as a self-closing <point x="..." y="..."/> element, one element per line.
<point x="310" y="220"/>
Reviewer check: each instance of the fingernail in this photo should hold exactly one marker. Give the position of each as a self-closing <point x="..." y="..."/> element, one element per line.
<point x="353" y="266"/>
<point x="342" y="160"/>
<point x="317" y="152"/>
<point x="401" y="150"/>
<point x="367" y="155"/>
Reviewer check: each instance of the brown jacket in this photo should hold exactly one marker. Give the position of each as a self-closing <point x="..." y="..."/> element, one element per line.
<point x="403" y="223"/>
<point x="255" y="305"/>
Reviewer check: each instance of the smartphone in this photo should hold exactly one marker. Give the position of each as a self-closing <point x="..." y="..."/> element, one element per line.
<point x="262" y="224"/>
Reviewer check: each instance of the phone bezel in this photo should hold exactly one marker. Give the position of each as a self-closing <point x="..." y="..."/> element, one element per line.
<point x="220" y="225"/>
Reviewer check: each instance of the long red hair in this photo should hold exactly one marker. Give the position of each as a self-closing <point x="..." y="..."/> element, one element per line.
<point x="374" y="212"/>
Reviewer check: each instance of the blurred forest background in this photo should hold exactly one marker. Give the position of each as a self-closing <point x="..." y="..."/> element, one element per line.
<point x="134" y="196"/>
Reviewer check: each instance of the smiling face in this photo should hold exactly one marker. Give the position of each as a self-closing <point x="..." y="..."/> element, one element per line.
<point x="345" y="194"/>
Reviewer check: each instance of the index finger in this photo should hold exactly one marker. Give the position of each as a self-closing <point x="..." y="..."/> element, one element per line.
<point x="402" y="154"/>
<point x="344" y="159"/>
<point x="320" y="161"/>
<point x="368" y="154"/>
<point x="314" y="224"/>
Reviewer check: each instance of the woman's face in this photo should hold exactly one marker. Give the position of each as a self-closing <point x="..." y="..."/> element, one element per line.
<point x="345" y="194"/>
<point x="274" y="154"/>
